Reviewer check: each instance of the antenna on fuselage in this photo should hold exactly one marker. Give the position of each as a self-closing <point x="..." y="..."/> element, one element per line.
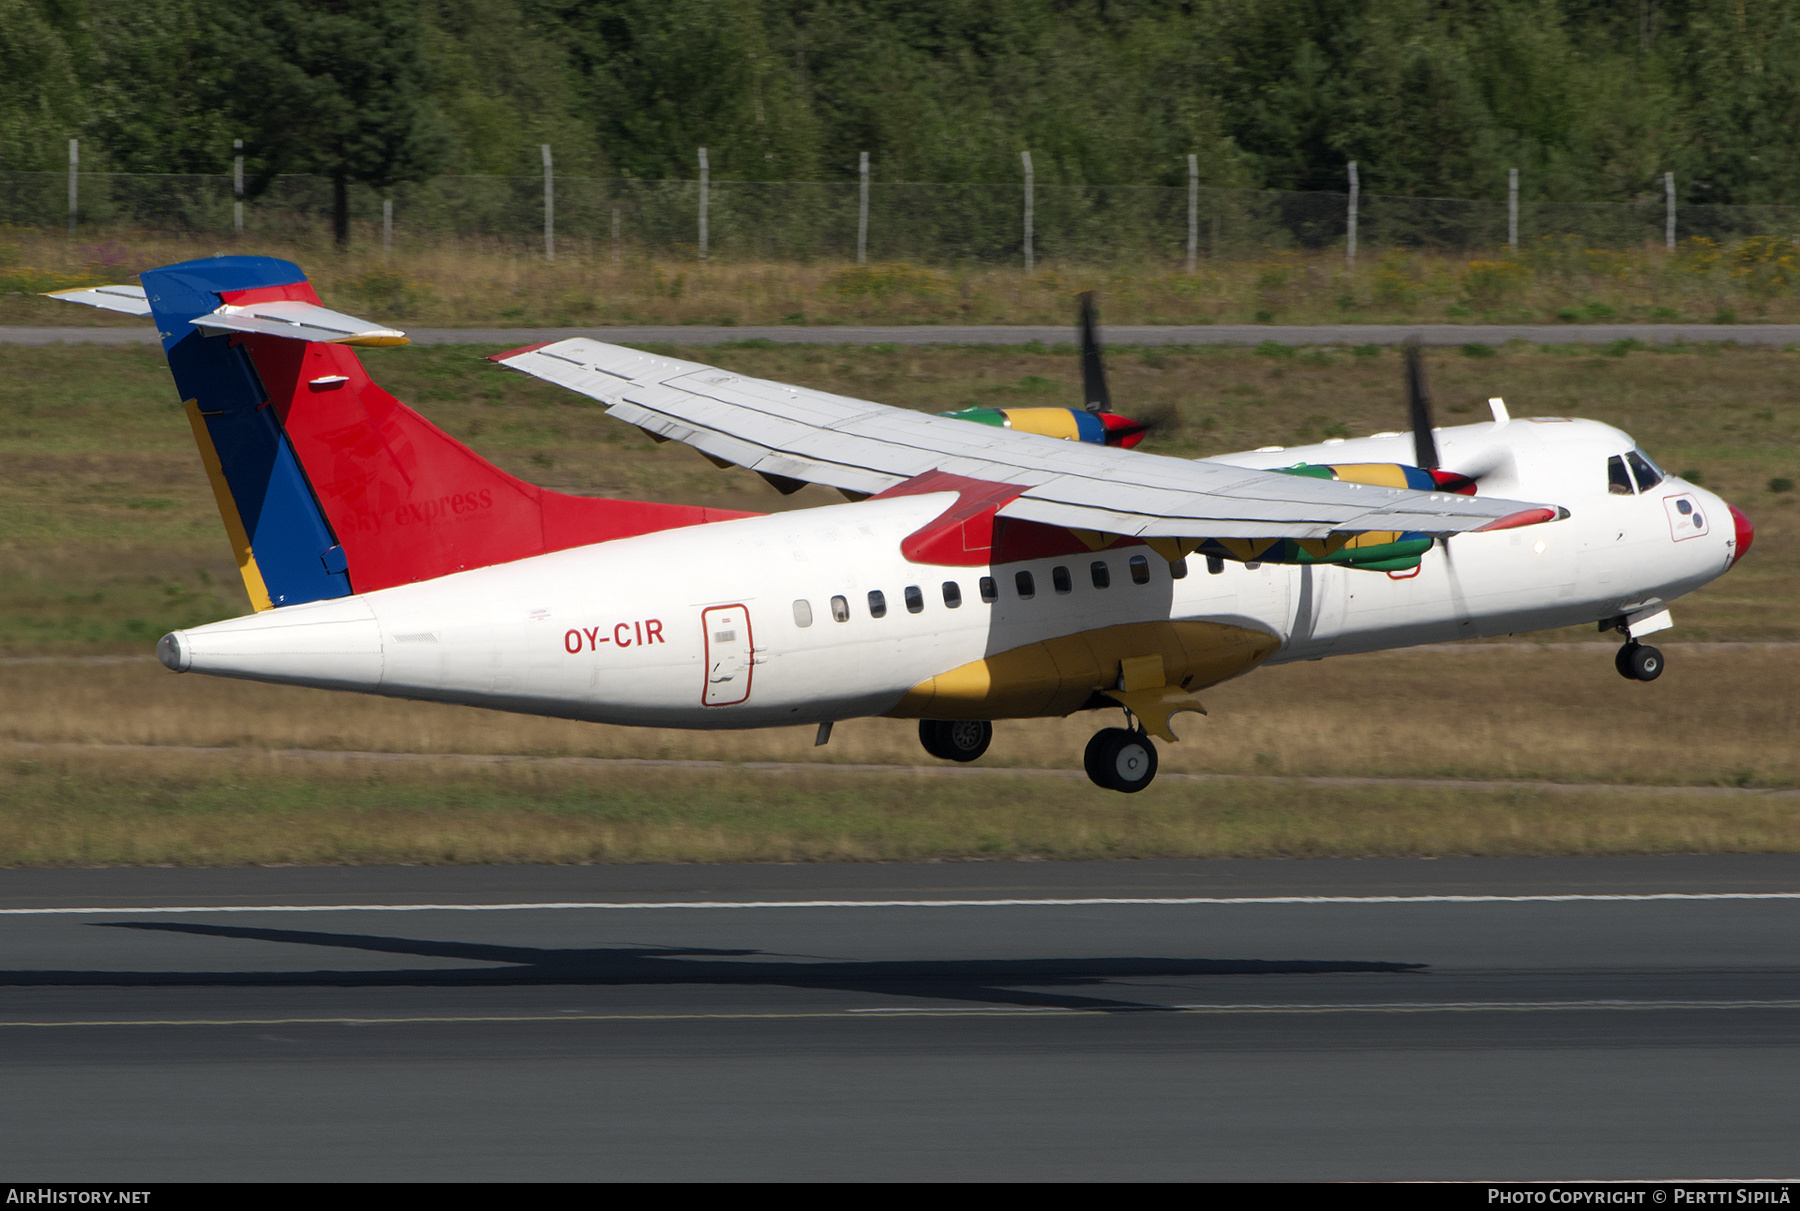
<point x="1418" y="404"/>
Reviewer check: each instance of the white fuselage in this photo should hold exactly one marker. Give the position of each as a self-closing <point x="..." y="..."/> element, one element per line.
<point x="703" y="627"/>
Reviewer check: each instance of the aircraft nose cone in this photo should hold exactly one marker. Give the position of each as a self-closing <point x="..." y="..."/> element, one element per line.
<point x="1746" y="534"/>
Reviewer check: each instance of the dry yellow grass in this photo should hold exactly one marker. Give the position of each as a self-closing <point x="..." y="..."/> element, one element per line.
<point x="250" y="809"/>
<point x="1722" y="715"/>
<point x="481" y="281"/>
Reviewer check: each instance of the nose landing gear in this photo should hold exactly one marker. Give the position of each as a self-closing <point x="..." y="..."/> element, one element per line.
<point x="956" y="739"/>
<point x="1119" y="759"/>
<point x="1639" y="662"/>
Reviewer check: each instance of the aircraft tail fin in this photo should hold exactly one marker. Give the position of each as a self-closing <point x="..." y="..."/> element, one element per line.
<point x="327" y="484"/>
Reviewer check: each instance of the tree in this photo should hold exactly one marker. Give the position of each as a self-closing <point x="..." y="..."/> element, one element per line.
<point x="40" y="97"/>
<point x="341" y="88"/>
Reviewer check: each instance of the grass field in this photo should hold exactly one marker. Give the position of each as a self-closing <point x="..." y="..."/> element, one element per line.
<point x="108" y="537"/>
<point x="490" y="283"/>
<point x="171" y="809"/>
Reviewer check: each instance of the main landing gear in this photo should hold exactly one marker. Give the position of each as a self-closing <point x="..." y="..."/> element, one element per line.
<point x="956" y="739"/>
<point x="1120" y="759"/>
<point x="1639" y="662"/>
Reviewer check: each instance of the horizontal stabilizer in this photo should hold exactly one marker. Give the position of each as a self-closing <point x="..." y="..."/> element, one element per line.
<point x="298" y="321"/>
<point x="129" y="299"/>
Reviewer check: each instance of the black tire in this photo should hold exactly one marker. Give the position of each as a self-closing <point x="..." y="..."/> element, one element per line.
<point x="1121" y="760"/>
<point x="1094" y="759"/>
<point x="1645" y="661"/>
<point x="956" y="739"/>
<point x="1622" y="662"/>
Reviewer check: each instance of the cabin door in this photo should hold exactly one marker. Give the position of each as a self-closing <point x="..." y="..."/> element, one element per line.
<point x="728" y="654"/>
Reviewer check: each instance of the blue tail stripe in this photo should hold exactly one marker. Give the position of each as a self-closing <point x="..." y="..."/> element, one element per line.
<point x="287" y="532"/>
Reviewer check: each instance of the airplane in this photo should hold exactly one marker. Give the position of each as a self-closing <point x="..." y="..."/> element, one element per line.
<point x="1023" y="564"/>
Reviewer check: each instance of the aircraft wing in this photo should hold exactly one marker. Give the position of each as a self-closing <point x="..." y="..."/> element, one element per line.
<point x="801" y="435"/>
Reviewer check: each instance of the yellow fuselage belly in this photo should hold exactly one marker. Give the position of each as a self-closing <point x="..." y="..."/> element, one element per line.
<point x="1058" y="676"/>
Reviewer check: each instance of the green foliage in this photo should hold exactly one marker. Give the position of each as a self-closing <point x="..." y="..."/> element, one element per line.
<point x="335" y="87"/>
<point x="1590" y="101"/>
<point x="40" y="94"/>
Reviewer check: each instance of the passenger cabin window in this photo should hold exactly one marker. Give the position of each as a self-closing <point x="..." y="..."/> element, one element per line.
<point x="1100" y="574"/>
<point x="1140" y="570"/>
<point x="877" y="604"/>
<point x="1026" y="586"/>
<point x="952" y="594"/>
<point x="1648" y="473"/>
<point x="1059" y="579"/>
<point x="1618" y="479"/>
<point x="990" y="591"/>
<point x="802" y="613"/>
<point x="1178" y="569"/>
<point x="840" y="609"/>
<point x="915" y="600"/>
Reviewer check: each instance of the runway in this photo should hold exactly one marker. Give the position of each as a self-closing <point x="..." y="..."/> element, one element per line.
<point x="1557" y="1018"/>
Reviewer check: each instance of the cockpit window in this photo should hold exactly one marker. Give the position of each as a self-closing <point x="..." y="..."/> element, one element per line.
<point x="1618" y="479"/>
<point x="1648" y="473"/>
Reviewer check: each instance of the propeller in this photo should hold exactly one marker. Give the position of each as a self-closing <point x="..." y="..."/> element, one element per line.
<point x="1093" y="371"/>
<point x="1418" y="403"/>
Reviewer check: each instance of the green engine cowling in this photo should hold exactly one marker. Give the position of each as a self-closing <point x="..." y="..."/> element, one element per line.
<point x="1375" y="551"/>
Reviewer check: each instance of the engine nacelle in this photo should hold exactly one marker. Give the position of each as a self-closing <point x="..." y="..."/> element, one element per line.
<point x="1070" y="424"/>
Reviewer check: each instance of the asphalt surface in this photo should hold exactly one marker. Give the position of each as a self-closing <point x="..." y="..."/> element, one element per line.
<point x="1559" y="1018"/>
<point x="1115" y="334"/>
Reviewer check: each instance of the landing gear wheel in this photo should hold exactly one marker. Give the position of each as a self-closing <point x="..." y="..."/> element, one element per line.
<point x="956" y="739"/>
<point x="1120" y="760"/>
<point x="1639" y="662"/>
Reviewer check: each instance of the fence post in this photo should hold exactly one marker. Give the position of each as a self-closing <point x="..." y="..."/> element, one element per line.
<point x="237" y="187"/>
<point x="862" y="211"/>
<point x="1193" y="212"/>
<point x="387" y="225"/>
<point x="1025" y="156"/>
<point x="74" y="164"/>
<point x="1350" y="221"/>
<point x="705" y="184"/>
<point x="549" y="204"/>
<point x="1512" y="209"/>
<point x="1669" y="224"/>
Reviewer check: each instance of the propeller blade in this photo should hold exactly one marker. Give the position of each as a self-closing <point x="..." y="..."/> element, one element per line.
<point x="1093" y="371"/>
<point x="1418" y="403"/>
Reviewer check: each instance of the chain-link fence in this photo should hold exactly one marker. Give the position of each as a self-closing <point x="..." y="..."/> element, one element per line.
<point x="801" y="221"/>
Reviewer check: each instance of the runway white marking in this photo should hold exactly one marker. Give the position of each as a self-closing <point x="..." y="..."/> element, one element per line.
<point x="1091" y="902"/>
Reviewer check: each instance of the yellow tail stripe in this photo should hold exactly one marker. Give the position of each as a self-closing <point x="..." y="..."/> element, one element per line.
<point x="228" y="511"/>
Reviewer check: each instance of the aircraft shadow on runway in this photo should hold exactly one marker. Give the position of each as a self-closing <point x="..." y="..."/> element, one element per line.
<point x="1006" y="982"/>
